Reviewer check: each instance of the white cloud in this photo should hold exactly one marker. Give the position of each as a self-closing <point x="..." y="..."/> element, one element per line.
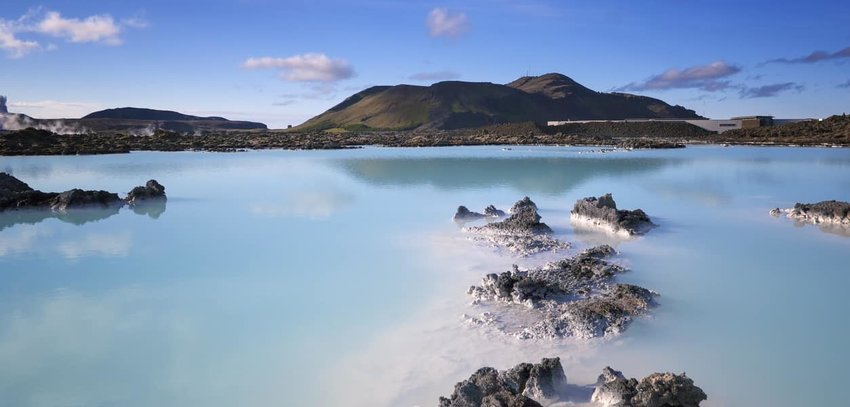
<point x="14" y="47"/>
<point x="443" y="23"/>
<point x="101" y="28"/>
<point x="98" y="28"/>
<point x="311" y="67"/>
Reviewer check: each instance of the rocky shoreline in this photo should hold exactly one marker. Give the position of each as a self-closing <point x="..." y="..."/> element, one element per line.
<point x="829" y="132"/>
<point x="545" y="384"/>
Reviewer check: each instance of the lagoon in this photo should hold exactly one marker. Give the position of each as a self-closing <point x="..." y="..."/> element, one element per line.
<point x="282" y="278"/>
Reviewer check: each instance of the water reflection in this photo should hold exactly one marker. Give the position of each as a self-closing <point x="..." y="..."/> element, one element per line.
<point x="549" y="175"/>
<point x="79" y="216"/>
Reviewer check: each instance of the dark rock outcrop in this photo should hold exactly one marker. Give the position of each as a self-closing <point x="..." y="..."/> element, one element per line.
<point x="78" y="198"/>
<point x="152" y="190"/>
<point x="655" y="390"/>
<point x="15" y="195"/>
<point x="522" y="232"/>
<point x="572" y="297"/>
<point x="463" y="214"/>
<point x="603" y="212"/>
<point x="836" y="212"/>
<point x="492" y="212"/>
<point x="524" y="385"/>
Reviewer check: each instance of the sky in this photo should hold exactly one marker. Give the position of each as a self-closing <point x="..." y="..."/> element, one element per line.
<point x="282" y="62"/>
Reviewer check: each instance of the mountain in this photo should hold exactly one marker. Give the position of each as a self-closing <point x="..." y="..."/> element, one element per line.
<point x="455" y="104"/>
<point x="128" y="117"/>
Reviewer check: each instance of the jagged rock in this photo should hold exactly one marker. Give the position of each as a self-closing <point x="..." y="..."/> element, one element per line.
<point x="655" y="390"/>
<point x="561" y="279"/>
<point x="835" y="212"/>
<point x="151" y="190"/>
<point x="524" y="385"/>
<point x="492" y="212"/>
<point x="15" y="194"/>
<point x="522" y="232"/>
<point x="571" y="297"/>
<point x="775" y="212"/>
<point x="603" y="212"/>
<point x="610" y="313"/>
<point x="613" y="389"/>
<point x="463" y="214"/>
<point x="77" y="198"/>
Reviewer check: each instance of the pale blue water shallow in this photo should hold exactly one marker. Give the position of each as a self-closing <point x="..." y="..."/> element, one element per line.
<point x="282" y="278"/>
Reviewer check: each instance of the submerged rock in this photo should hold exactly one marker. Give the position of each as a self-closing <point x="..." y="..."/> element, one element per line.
<point x="655" y="390"/>
<point x="572" y="297"/>
<point x="603" y="212"/>
<point x="152" y="190"/>
<point x="522" y="232"/>
<point x="524" y="385"/>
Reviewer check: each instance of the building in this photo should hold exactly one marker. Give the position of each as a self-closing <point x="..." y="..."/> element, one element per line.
<point x="715" y="125"/>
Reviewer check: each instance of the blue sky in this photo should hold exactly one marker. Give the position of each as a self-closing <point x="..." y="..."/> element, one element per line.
<point x="282" y="62"/>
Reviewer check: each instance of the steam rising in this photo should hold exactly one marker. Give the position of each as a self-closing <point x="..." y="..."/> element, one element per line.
<point x="14" y="121"/>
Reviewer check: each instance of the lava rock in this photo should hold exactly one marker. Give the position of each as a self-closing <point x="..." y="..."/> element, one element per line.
<point x="603" y="212"/>
<point x="655" y="390"/>
<point x="522" y="232"/>
<point x="463" y="214"/>
<point x="571" y="297"/>
<point x="836" y="212"/>
<point x="524" y="385"/>
<point x="78" y="198"/>
<point x="492" y="212"/>
<point x="152" y="190"/>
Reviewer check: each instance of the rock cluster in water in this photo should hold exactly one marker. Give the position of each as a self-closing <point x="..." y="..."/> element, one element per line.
<point x="829" y="212"/>
<point x="463" y="214"/>
<point x="655" y="390"/>
<point x="16" y="194"/>
<point x="524" y="385"/>
<point x="544" y="383"/>
<point x="522" y="232"/>
<point x="603" y="212"/>
<point x="572" y="297"/>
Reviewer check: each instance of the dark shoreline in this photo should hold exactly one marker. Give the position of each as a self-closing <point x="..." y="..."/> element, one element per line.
<point x="832" y="132"/>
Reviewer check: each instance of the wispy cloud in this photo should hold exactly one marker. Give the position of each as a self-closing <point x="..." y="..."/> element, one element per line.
<point x="312" y="67"/>
<point x="767" y="91"/>
<point x="845" y="84"/>
<point x="434" y="76"/>
<point x="443" y="23"/>
<point x="14" y="47"/>
<point x="814" y="57"/>
<point x="101" y="28"/>
<point x="706" y="77"/>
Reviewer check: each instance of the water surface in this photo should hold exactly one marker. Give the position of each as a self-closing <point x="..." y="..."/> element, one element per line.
<point x="337" y="277"/>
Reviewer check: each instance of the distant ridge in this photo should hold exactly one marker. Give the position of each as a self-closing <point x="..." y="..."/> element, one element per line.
<point x="138" y="113"/>
<point x="456" y="104"/>
<point x="125" y="118"/>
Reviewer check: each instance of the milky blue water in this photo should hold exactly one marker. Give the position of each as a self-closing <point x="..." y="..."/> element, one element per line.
<point x="280" y="278"/>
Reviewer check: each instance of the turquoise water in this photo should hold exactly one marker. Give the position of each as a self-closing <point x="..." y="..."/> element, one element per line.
<point x="337" y="277"/>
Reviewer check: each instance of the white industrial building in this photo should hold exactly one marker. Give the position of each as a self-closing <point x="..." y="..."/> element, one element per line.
<point x="715" y="125"/>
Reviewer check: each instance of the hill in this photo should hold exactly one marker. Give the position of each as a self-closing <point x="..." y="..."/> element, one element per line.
<point x="456" y="104"/>
<point x="131" y="117"/>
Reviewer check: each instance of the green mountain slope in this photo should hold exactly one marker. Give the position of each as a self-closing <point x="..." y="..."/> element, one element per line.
<point x="455" y="104"/>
